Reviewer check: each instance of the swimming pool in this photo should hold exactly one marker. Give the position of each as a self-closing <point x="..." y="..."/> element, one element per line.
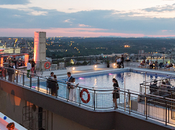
<point x="102" y="81"/>
<point x="132" y="79"/>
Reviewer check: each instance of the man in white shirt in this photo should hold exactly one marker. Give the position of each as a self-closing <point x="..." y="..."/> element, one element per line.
<point x="13" y="75"/>
<point x="167" y="65"/>
<point x="28" y="68"/>
<point x="118" y="62"/>
<point x="69" y="78"/>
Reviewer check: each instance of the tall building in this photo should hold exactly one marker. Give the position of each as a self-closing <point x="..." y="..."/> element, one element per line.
<point x="39" y="49"/>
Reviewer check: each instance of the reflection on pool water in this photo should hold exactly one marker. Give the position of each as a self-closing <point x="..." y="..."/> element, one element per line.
<point x="132" y="80"/>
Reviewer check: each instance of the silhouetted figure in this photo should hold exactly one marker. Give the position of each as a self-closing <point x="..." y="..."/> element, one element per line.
<point x="54" y="86"/>
<point x="10" y="72"/>
<point x="115" y="92"/>
<point x="50" y="82"/>
<point x="122" y="61"/>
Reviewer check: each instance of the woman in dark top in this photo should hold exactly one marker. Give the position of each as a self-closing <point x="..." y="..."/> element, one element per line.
<point x="115" y="92"/>
<point x="54" y="86"/>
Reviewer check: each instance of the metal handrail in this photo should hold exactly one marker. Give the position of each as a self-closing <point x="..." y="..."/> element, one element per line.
<point x="97" y="93"/>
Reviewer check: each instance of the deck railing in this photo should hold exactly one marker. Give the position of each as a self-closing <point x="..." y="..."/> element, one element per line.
<point x="151" y="107"/>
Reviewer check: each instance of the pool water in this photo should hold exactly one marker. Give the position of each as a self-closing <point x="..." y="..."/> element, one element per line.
<point x="132" y="80"/>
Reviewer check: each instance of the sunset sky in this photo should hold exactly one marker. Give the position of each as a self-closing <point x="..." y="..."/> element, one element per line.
<point x="89" y="18"/>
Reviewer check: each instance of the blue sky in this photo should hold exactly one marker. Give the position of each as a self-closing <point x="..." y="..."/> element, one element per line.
<point x="126" y="18"/>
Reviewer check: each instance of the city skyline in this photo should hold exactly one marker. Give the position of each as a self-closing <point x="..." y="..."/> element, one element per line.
<point x="88" y="18"/>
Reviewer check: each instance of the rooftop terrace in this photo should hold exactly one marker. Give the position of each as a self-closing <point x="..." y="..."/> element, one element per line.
<point x="160" y="114"/>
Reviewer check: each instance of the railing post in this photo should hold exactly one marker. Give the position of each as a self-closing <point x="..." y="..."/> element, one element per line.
<point x="16" y="77"/>
<point x="145" y="102"/>
<point x="2" y="73"/>
<point x="30" y="81"/>
<point x="168" y="114"/>
<point x="124" y="94"/>
<point x="129" y="101"/>
<point x="38" y="83"/>
<point x="94" y="98"/>
<point x="79" y="97"/>
<point x="67" y="93"/>
<point x="5" y="73"/>
<point x="47" y="86"/>
<point x="23" y="79"/>
<point x="146" y="108"/>
<point x="165" y="112"/>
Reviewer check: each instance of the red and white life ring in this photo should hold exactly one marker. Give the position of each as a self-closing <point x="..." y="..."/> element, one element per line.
<point x="47" y="65"/>
<point x="81" y="95"/>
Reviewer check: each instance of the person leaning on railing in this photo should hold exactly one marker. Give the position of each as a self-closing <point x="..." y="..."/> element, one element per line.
<point x="115" y="92"/>
<point x="153" y="87"/>
<point x="72" y="93"/>
<point x="49" y="82"/>
<point x="54" y="86"/>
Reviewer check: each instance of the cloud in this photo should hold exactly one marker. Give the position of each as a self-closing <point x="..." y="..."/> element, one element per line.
<point x="36" y="13"/>
<point x="108" y="22"/>
<point x="165" y="31"/>
<point x="166" y="11"/>
<point x="161" y="8"/>
<point x="83" y="25"/>
<point x="16" y="15"/>
<point x="67" y="21"/>
<point x="11" y="2"/>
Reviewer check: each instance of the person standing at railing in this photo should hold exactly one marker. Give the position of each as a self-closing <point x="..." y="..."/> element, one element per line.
<point x="115" y="92"/>
<point x="13" y="75"/>
<point x="119" y="63"/>
<point x="10" y="72"/>
<point x="28" y="68"/>
<point x="15" y="63"/>
<point x="50" y="82"/>
<point x="166" y="65"/>
<point x="54" y="87"/>
<point x="72" y="93"/>
<point x="33" y="66"/>
<point x="153" y="87"/>
<point x="68" y="82"/>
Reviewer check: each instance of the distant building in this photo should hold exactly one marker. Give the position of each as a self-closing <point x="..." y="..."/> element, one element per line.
<point x="9" y="49"/>
<point x="12" y="50"/>
<point x="141" y="52"/>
